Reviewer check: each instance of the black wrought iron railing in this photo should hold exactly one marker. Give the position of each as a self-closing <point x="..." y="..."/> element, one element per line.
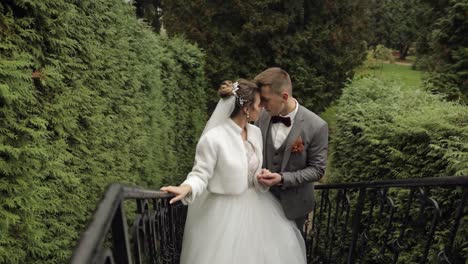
<point x="155" y="235"/>
<point x="392" y="221"/>
<point x="396" y="221"/>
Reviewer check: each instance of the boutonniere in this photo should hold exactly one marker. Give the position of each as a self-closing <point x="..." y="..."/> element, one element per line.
<point x="298" y="145"/>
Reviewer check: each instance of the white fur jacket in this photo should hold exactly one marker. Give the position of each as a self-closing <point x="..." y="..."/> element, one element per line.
<point x="221" y="161"/>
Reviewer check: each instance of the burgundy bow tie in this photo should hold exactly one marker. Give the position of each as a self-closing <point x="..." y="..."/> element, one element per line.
<point x="285" y="120"/>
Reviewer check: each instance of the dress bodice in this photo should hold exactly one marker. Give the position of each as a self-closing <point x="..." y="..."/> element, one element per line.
<point x="252" y="162"/>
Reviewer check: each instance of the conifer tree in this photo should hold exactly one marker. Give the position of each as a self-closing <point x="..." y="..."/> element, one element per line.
<point x="443" y="49"/>
<point x="318" y="42"/>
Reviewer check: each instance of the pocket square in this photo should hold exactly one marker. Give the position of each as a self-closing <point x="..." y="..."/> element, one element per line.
<point x="298" y="145"/>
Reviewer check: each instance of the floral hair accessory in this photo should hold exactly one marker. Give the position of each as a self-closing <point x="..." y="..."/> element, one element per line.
<point x="235" y="87"/>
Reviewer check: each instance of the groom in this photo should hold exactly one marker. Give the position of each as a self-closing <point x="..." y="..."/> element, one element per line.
<point x="295" y="143"/>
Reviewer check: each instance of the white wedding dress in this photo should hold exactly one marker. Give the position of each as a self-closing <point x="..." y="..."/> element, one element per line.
<point x="249" y="228"/>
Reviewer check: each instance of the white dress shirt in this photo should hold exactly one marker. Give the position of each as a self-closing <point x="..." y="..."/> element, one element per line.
<point x="280" y="131"/>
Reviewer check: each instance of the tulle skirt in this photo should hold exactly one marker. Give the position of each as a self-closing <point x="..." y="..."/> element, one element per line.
<point x="249" y="228"/>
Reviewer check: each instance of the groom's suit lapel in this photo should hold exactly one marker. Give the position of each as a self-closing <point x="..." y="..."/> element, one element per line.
<point x="293" y="135"/>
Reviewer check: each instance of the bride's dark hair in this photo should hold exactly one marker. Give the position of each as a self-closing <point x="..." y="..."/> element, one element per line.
<point x="245" y="95"/>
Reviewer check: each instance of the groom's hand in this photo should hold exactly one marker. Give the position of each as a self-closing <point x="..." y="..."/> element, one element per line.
<point x="269" y="179"/>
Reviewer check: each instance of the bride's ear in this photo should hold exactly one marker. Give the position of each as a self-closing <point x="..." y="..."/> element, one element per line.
<point x="246" y="110"/>
<point x="247" y="113"/>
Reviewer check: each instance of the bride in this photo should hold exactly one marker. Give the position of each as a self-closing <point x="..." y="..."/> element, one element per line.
<point x="232" y="218"/>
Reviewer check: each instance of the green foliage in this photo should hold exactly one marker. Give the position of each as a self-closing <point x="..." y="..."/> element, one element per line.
<point x="329" y="115"/>
<point x="88" y="96"/>
<point x="396" y="24"/>
<point x="150" y="11"/>
<point x="383" y="53"/>
<point x="387" y="131"/>
<point x="318" y="42"/>
<point x="184" y="103"/>
<point x="443" y="48"/>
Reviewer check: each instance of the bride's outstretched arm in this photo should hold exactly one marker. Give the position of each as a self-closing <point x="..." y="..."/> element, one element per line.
<point x="202" y="171"/>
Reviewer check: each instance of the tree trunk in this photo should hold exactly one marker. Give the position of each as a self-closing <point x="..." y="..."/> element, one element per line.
<point x="403" y="52"/>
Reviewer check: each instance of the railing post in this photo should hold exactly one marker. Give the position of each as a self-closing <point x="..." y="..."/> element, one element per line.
<point x="316" y="229"/>
<point x="435" y="220"/>
<point x="406" y="219"/>
<point x="344" y="226"/>
<point x="121" y="243"/>
<point x="458" y="217"/>
<point x="356" y="225"/>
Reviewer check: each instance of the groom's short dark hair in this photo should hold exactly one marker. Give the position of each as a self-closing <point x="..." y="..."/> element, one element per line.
<point x="277" y="78"/>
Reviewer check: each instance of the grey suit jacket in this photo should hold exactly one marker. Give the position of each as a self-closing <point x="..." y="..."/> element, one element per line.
<point x="300" y="169"/>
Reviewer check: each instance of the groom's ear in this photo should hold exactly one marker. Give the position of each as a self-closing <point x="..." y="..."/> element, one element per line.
<point x="285" y="95"/>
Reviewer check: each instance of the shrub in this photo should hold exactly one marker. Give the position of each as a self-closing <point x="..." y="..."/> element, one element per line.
<point x="386" y="132"/>
<point x="383" y="53"/>
<point x="87" y="97"/>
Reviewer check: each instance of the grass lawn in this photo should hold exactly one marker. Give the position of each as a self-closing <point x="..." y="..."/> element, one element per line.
<point x="399" y="72"/>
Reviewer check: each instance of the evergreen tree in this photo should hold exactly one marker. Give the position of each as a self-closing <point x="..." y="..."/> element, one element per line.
<point x="318" y="42"/>
<point x="443" y="50"/>
<point x="149" y="10"/>
<point x="396" y="24"/>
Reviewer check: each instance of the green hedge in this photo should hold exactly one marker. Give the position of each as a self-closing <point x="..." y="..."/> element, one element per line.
<point x="88" y="96"/>
<point x="387" y="132"/>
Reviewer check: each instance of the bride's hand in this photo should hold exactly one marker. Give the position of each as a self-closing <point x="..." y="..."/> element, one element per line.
<point x="262" y="173"/>
<point x="179" y="191"/>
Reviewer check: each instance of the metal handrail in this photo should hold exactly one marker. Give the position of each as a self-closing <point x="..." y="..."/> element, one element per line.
<point x="158" y="226"/>
<point x="355" y="196"/>
<point x="94" y="235"/>
<point x="417" y="182"/>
